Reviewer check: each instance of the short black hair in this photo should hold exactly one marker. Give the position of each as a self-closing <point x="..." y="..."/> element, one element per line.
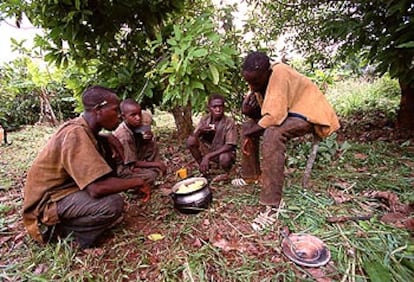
<point x="127" y="102"/>
<point x="95" y="95"/>
<point x="214" y="97"/>
<point x="256" y="61"/>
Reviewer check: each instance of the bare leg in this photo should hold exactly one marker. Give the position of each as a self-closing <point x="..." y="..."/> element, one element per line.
<point x="193" y="144"/>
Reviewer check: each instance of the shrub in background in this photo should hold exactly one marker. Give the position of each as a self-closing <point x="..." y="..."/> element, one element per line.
<point x="355" y="96"/>
<point x="21" y="82"/>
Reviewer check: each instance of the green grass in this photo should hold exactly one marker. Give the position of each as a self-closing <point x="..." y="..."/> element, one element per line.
<point x="219" y="244"/>
<point x="353" y="96"/>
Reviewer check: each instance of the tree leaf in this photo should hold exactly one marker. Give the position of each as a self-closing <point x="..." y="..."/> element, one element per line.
<point x="200" y="53"/>
<point x="215" y="74"/>
<point x="409" y="44"/>
<point x="155" y="237"/>
<point x="197" y="85"/>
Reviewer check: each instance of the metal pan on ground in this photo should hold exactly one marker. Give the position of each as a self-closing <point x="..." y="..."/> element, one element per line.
<point x="306" y="250"/>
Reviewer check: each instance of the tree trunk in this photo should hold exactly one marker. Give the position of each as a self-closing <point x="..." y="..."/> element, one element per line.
<point x="405" y="118"/>
<point x="46" y="110"/>
<point x="183" y="121"/>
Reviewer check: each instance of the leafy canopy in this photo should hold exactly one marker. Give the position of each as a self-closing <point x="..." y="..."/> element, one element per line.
<point x="325" y="31"/>
<point x="155" y="51"/>
<point x="109" y="36"/>
<point x="195" y="61"/>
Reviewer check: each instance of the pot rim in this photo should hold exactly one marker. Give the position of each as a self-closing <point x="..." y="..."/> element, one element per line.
<point x="188" y="181"/>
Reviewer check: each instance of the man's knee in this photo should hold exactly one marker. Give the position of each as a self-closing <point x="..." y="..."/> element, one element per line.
<point x="191" y="141"/>
<point x="226" y="160"/>
<point x="273" y="133"/>
<point x="115" y="206"/>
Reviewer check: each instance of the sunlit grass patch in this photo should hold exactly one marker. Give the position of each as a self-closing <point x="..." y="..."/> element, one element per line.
<point x="352" y="96"/>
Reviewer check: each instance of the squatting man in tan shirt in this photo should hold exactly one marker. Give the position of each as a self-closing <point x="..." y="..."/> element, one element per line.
<point x="71" y="188"/>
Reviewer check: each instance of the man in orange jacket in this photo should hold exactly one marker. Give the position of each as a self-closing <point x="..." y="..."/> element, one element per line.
<point x="282" y="104"/>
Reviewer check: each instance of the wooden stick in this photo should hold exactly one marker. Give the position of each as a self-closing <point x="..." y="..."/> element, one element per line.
<point x="311" y="160"/>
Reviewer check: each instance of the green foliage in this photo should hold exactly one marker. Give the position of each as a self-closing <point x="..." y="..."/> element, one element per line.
<point x="98" y="29"/>
<point x="380" y="31"/>
<point x="108" y="36"/>
<point x="377" y="271"/>
<point x="118" y="40"/>
<point x="21" y="82"/>
<point x="194" y="64"/>
<point x="15" y="109"/>
<point x="329" y="150"/>
<point x="354" y="96"/>
<point x="322" y="78"/>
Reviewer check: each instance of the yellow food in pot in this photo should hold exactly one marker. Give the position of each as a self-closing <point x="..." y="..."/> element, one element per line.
<point x="196" y="185"/>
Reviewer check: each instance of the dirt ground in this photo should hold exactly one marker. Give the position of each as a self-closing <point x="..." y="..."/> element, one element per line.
<point x="222" y="230"/>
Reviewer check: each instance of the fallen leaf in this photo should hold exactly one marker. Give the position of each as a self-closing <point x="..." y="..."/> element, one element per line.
<point x="197" y="243"/>
<point x="391" y="199"/>
<point x="360" y="156"/>
<point x="41" y="268"/>
<point x="339" y="197"/>
<point x="318" y="274"/>
<point x="399" y="220"/>
<point x="227" y="246"/>
<point x="96" y="252"/>
<point x="155" y="237"/>
<point x="166" y="191"/>
<point x="4" y="239"/>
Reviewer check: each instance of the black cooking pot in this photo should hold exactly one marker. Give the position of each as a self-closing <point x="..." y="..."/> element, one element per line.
<point x="193" y="201"/>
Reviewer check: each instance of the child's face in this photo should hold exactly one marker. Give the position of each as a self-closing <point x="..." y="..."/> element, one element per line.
<point x="132" y="116"/>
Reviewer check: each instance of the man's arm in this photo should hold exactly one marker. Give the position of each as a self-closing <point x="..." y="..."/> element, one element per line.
<point x="112" y="185"/>
<point x="144" y="164"/>
<point x="251" y="107"/>
<point x="204" y="165"/>
<point x="117" y="150"/>
<point x="223" y="149"/>
<point x="250" y="129"/>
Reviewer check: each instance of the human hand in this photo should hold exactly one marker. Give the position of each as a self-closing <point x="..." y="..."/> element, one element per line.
<point x="136" y="169"/>
<point x="204" y="164"/>
<point x="146" y="190"/>
<point x="252" y="129"/>
<point x="246" y="147"/>
<point x="250" y="106"/>
<point x="205" y="129"/>
<point x="148" y="135"/>
<point x="161" y="166"/>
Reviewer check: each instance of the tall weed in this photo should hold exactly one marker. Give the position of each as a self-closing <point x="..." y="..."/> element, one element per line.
<point x="354" y="96"/>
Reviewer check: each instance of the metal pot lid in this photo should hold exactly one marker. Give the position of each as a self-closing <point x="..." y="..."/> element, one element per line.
<point x="306" y="250"/>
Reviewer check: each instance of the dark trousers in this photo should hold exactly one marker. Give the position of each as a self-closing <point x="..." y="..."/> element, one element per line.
<point x="273" y="148"/>
<point x="86" y="217"/>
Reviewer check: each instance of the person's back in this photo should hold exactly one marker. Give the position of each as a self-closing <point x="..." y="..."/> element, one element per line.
<point x="289" y="92"/>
